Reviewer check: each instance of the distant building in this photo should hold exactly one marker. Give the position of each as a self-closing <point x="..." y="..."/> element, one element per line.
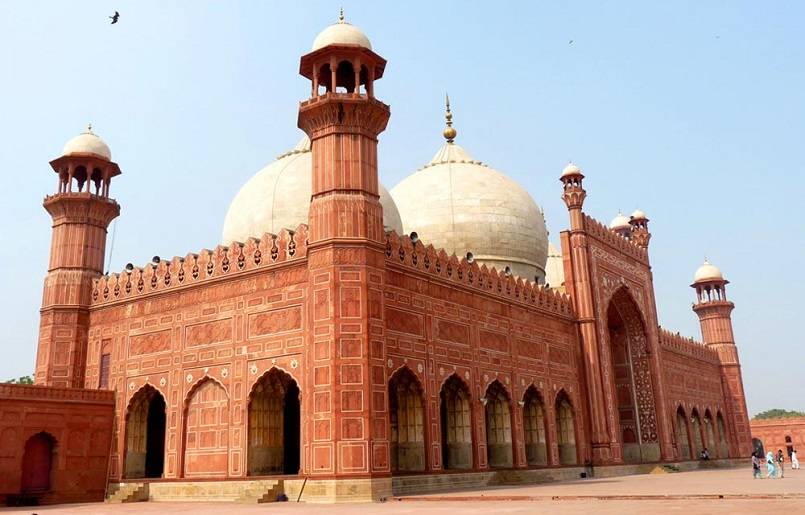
<point x="359" y="338"/>
<point x="784" y="433"/>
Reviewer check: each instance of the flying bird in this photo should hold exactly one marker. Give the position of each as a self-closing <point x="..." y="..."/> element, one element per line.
<point x="115" y="17"/>
<point x="570" y="42"/>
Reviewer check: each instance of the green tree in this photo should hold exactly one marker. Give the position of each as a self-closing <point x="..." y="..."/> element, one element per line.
<point x="777" y="413"/>
<point x="21" y="380"/>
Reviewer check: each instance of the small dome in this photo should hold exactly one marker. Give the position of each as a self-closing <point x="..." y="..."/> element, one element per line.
<point x="278" y="197"/>
<point x="87" y="143"/>
<point x="639" y="215"/>
<point x="571" y="169"/>
<point x="619" y="222"/>
<point x="707" y="272"/>
<point x="341" y="33"/>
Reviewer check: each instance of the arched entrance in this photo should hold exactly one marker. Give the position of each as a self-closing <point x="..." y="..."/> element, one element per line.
<point x="37" y="463"/>
<point x="456" y="424"/>
<point x="274" y="425"/>
<point x="407" y="422"/>
<point x="145" y="434"/>
<point x="709" y="434"/>
<point x="696" y="431"/>
<point x="757" y="446"/>
<point x="536" y="445"/>
<point x="565" y="430"/>
<point x="723" y="445"/>
<point x="682" y="440"/>
<point x="634" y="389"/>
<point x="206" y="436"/>
<point x="498" y="426"/>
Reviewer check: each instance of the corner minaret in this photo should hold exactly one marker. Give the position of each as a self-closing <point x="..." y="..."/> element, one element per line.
<point x="714" y="312"/>
<point x="81" y="210"/>
<point x="346" y="441"/>
<point x="640" y="234"/>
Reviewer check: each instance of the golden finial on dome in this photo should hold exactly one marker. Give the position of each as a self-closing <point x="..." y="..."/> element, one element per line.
<point x="449" y="132"/>
<point x="341" y="15"/>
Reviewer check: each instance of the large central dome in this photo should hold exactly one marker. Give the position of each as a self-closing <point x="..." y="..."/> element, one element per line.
<point x="278" y="197"/>
<point x="462" y="205"/>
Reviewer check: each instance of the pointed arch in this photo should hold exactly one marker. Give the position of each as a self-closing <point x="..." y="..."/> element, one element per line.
<point x="206" y="430"/>
<point x="682" y="434"/>
<point x="709" y="433"/>
<point x="497" y="411"/>
<point x="723" y="443"/>
<point x="565" y="429"/>
<point x="37" y="463"/>
<point x="274" y="425"/>
<point x="144" y="444"/>
<point x="696" y="432"/>
<point x="633" y="381"/>
<point x="534" y="427"/>
<point x="456" y="423"/>
<point x="407" y="421"/>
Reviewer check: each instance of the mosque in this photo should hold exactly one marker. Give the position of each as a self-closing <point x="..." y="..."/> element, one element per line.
<point x="348" y="342"/>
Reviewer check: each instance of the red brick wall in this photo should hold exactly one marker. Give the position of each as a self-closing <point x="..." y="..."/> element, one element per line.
<point x="772" y="433"/>
<point x="79" y="421"/>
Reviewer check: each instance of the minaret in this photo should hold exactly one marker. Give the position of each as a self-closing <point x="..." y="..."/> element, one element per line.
<point x="81" y="210"/>
<point x="578" y="284"/>
<point x="347" y="436"/>
<point x="714" y="311"/>
<point x="640" y="233"/>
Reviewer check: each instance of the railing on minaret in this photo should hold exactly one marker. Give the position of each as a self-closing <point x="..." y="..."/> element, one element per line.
<point x="346" y="376"/>
<point x="78" y="245"/>
<point x="714" y="311"/>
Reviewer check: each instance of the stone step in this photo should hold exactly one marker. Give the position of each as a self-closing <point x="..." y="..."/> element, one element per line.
<point x="127" y="492"/>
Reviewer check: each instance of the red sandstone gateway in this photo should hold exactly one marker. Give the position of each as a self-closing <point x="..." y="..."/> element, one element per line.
<point x="350" y="360"/>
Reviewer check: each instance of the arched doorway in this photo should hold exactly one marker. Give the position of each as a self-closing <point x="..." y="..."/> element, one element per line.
<point x="723" y="445"/>
<point x="37" y="463"/>
<point x="498" y="426"/>
<point x="634" y="389"/>
<point x="757" y="446"/>
<point x="274" y="424"/>
<point x="709" y="434"/>
<point x="145" y="434"/>
<point x="789" y="444"/>
<point x="565" y="430"/>
<point x="696" y="431"/>
<point x="407" y="422"/>
<point x="456" y="424"/>
<point x="536" y="445"/>
<point x="682" y="440"/>
<point x="206" y="436"/>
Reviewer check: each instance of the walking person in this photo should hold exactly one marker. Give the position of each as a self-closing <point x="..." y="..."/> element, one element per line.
<point x="769" y="465"/>
<point x="780" y="459"/>
<point x="794" y="460"/>
<point x="756" y="466"/>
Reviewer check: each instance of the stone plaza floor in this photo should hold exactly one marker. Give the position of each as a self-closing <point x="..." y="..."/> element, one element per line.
<point x="698" y="492"/>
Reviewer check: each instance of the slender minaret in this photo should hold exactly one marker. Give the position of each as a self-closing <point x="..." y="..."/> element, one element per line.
<point x="714" y="311"/>
<point x="640" y="232"/>
<point x="81" y="210"/>
<point x="347" y="436"/>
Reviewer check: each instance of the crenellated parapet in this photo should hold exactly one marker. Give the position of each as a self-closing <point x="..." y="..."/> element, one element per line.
<point x="207" y="265"/>
<point x="38" y="392"/>
<point x="427" y="259"/>
<point x="679" y="344"/>
<point x="603" y="233"/>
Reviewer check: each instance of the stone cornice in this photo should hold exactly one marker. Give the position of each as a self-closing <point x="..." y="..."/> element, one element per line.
<point x="38" y="392"/>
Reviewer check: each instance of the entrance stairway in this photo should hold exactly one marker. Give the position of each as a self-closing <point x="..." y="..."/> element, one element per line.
<point x="127" y="492"/>
<point x="262" y="491"/>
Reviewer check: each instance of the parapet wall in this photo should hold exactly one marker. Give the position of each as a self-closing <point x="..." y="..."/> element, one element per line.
<point x="207" y="265"/>
<point x="674" y="342"/>
<point x="604" y="234"/>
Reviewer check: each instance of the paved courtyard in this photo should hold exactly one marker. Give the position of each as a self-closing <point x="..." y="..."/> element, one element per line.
<point x="698" y="492"/>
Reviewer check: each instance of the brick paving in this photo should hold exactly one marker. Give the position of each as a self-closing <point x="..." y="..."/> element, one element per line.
<point x="688" y="493"/>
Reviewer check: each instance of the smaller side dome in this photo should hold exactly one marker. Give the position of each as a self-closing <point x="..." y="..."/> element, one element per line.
<point x="619" y="222"/>
<point x="341" y="33"/>
<point x="707" y="272"/>
<point x="639" y="215"/>
<point x="571" y="169"/>
<point x="87" y="143"/>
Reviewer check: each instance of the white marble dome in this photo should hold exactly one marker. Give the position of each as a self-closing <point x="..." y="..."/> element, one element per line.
<point x="278" y="197"/>
<point x="462" y="205"/>
<point x="87" y="143"/>
<point x="341" y="33"/>
<point x="570" y="169"/>
<point x="621" y="221"/>
<point x="707" y="272"/>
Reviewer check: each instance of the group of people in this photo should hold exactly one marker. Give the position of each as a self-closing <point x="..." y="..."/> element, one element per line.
<point x="774" y="464"/>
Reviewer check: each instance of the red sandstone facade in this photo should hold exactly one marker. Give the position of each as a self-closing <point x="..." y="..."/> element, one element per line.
<point x="787" y="434"/>
<point x="347" y="355"/>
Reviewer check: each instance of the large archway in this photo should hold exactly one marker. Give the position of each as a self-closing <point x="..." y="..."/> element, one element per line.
<point x="565" y="430"/>
<point x="696" y="432"/>
<point x="536" y="443"/>
<point x="634" y="389"/>
<point x="682" y="440"/>
<point x="406" y="416"/>
<point x="206" y="435"/>
<point x="456" y="424"/>
<point x="274" y="423"/>
<point x="709" y="434"/>
<point x="37" y="463"/>
<point x="145" y="435"/>
<point x="498" y="418"/>
<point x="723" y="445"/>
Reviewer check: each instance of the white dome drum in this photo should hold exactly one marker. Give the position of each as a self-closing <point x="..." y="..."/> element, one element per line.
<point x="278" y="197"/>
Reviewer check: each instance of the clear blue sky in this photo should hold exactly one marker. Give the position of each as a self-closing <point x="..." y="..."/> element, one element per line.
<point x="691" y="111"/>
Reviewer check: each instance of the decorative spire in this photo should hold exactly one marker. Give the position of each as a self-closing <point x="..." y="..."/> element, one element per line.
<point x="341" y="15"/>
<point x="449" y="132"/>
<point x="89" y="129"/>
